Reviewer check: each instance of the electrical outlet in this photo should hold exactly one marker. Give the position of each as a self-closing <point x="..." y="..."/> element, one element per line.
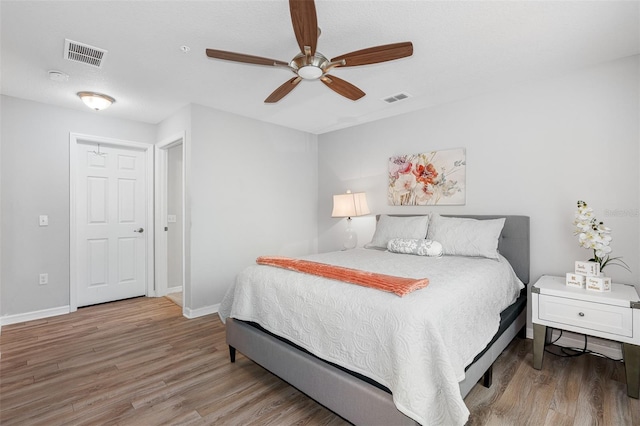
<point x="44" y="220"/>
<point x="44" y="279"/>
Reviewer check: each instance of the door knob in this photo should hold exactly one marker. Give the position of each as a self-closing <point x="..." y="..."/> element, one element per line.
<point x="141" y="230"/>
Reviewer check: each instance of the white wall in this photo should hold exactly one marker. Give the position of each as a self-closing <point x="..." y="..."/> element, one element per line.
<point x="534" y="150"/>
<point x="35" y="181"/>
<point x="252" y="190"/>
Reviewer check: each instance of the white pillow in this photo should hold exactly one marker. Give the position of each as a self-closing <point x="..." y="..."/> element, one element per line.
<point x="466" y="237"/>
<point x="419" y="246"/>
<point x="389" y="227"/>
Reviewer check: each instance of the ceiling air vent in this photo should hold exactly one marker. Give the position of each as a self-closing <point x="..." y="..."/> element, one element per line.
<point x="80" y="52"/>
<point x="395" y="98"/>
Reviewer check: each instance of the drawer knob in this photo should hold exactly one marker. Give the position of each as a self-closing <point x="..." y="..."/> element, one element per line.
<point x="581" y="314"/>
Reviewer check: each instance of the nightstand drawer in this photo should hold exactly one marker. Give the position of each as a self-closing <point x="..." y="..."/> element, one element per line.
<point x="589" y="315"/>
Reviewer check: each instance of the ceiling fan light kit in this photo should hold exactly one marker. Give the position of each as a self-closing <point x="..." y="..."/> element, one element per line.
<point x="309" y="67"/>
<point x="312" y="65"/>
<point x="310" y="72"/>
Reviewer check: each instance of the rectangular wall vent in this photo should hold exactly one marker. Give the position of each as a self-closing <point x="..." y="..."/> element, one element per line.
<point x="395" y="98"/>
<point x="80" y="52"/>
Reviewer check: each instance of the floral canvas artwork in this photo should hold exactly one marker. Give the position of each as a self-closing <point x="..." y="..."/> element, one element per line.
<point x="432" y="178"/>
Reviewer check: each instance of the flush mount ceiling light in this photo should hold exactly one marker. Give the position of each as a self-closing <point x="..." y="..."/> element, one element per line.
<point x="97" y="101"/>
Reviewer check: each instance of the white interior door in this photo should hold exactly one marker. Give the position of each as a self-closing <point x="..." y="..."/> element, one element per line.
<point x="111" y="223"/>
<point x="170" y="233"/>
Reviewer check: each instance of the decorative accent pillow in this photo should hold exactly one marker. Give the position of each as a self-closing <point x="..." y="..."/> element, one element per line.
<point x="466" y="237"/>
<point x="421" y="247"/>
<point x="389" y="227"/>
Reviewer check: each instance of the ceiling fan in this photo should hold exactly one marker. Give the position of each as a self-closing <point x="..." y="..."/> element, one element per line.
<point x="310" y="64"/>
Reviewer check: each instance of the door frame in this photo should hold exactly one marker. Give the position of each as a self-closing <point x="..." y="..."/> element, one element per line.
<point x="161" y="211"/>
<point x="74" y="140"/>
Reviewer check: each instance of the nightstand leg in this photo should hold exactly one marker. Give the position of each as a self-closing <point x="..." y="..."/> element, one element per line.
<point x="539" y="337"/>
<point x="632" y="369"/>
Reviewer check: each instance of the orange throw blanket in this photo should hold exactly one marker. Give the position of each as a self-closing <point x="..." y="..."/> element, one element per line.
<point x="397" y="285"/>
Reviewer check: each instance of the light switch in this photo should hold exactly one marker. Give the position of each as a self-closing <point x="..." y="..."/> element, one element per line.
<point x="171" y="218"/>
<point x="44" y="220"/>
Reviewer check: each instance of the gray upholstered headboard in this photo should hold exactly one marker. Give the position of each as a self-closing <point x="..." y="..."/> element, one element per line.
<point x="513" y="243"/>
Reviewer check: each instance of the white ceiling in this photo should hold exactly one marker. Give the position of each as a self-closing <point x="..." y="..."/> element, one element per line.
<point x="461" y="49"/>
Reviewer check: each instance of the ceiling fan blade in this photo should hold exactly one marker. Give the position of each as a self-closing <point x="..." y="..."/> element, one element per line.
<point x="283" y="90"/>
<point x="240" y="57"/>
<point x="373" y="55"/>
<point x="305" y="24"/>
<point x="342" y="87"/>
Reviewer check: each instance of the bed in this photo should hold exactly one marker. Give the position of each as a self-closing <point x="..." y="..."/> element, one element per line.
<point x="359" y="389"/>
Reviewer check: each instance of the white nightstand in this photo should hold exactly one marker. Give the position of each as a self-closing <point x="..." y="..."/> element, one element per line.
<point x="612" y="315"/>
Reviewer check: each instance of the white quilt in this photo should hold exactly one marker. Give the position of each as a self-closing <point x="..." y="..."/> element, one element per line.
<point x="417" y="345"/>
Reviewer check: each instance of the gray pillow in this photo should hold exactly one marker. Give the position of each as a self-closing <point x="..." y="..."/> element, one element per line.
<point x="390" y="227"/>
<point x="466" y="237"/>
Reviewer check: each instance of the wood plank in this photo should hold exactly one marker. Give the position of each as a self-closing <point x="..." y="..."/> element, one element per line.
<point x="566" y="394"/>
<point x="139" y="361"/>
<point x="527" y="398"/>
<point x="590" y="404"/>
<point x="505" y="367"/>
<point x="555" y="418"/>
<point x="616" y="404"/>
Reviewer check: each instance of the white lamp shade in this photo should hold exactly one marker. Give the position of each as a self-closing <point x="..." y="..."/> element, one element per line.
<point x="350" y="205"/>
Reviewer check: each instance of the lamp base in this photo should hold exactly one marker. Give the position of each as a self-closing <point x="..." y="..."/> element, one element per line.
<point x="350" y="239"/>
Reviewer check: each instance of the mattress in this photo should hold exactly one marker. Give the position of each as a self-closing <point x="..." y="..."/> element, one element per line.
<point x="506" y="319"/>
<point x="417" y="346"/>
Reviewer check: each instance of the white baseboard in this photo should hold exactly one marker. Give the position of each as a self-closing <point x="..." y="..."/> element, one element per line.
<point x="195" y="313"/>
<point x="605" y="347"/>
<point x="62" y="310"/>
<point x="176" y="289"/>
<point x="35" y="315"/>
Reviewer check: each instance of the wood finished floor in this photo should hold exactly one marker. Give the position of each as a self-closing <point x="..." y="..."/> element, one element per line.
<point x="140" y="362"/>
